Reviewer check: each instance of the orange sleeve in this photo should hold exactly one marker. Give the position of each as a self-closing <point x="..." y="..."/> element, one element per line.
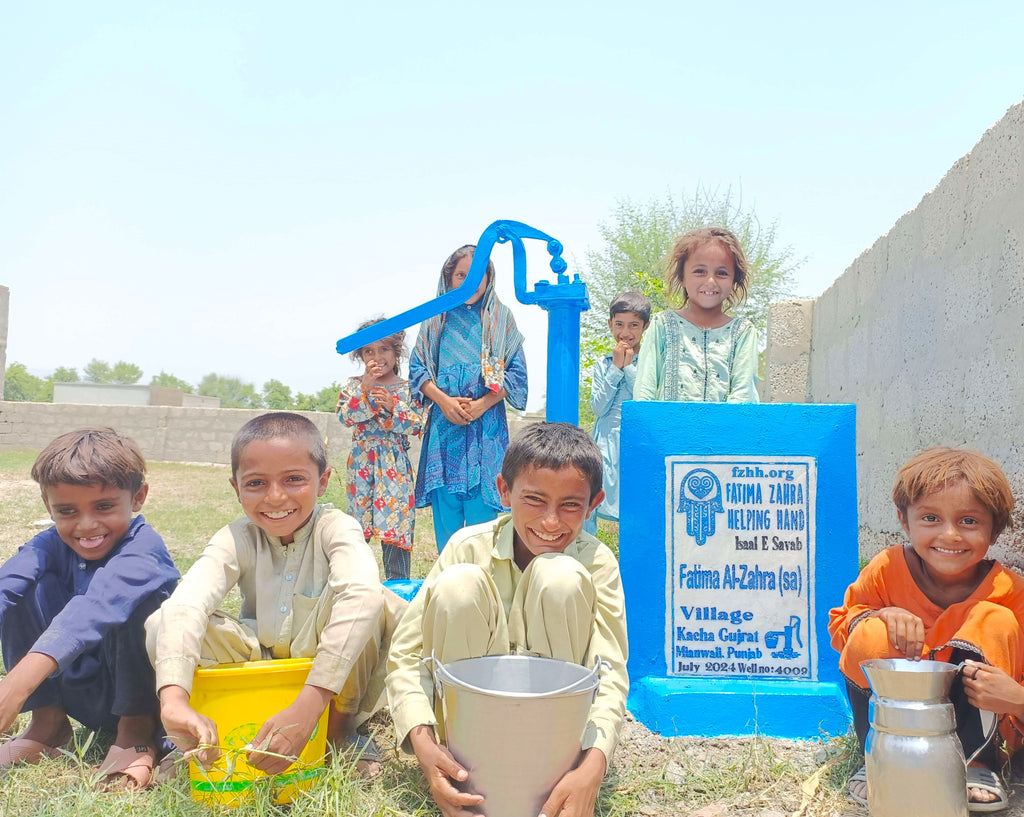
<point x="873" y="589"/>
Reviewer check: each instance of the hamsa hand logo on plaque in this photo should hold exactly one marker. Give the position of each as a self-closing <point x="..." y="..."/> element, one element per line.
<point x="700" y="498"/>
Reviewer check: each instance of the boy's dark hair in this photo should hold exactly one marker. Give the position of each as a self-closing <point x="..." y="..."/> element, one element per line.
<point x="554" y="446"/>
<point x="91" y="456"/>
<point x="631" y="302"/>
<point x="935" y="469"/>
<point x="277" y="425"/>
<point x="395" y="341"/>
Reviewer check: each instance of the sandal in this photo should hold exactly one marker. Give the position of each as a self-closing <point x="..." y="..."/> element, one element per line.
<point x="980" y="777"/>
<point x="133" y="763"/>
<point x="18" y="751"/>
<point x="859" y="776"/>
<point x="369" y="760"/>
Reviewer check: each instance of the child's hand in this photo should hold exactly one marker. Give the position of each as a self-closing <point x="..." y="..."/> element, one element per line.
<point x="622" y="355"/>
<point x="383" y="398"/>
<point x="454" y="410"/>
<point x="575" y="795"/>
<point x="906" y="631"/>
<point x="474" y="408"/>
<point x="283" y="736"/>
<point x="20" y="682"/>
<point x="186" y="727"/>
<point x="374" y="372"/>
<point x="990" y="688"/>
<point x="440" y="769"/>
<point x="10" y="704"/>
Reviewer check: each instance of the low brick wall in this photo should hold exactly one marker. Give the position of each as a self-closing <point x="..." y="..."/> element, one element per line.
<point x="168" y="433"/>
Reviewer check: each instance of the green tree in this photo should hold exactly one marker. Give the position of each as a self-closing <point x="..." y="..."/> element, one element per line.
<point x="639" y="236"/>
<point x="170" y="382"/>
<point x="637" y="240"/>
<point x="97" y="371"/>
<point x="324" y="400"/>
<point x="22" y="386"/>
<point x="277" y="396"/>
<point x="125" y="373"/>
<point x="122" y="372"/>
<point x="63" y="374"/>
<point x="233" y="393"/>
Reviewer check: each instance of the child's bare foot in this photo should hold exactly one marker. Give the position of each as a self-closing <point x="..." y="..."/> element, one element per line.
<point x="50" y="726"/>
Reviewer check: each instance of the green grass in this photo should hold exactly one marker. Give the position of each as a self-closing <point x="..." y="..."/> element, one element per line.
<point x="187" y="504"/>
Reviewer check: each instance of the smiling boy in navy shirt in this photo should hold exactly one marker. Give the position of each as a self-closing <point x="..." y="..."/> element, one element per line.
<point x="73" y="603"/>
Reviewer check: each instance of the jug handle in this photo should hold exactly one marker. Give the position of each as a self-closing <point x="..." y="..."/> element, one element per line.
<point x="992" y="729"/>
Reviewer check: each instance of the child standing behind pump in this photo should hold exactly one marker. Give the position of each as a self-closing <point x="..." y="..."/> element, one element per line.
<point x="73" y="602"/>
<point x="530" y="583"/>
<point x="382" y="414"/>
<point x="466" y="363"/>
<point x="939" y="598"/>
<point x="310" y="588"/>
<point x="612" y="384"/>
<point x="699" y="353"/>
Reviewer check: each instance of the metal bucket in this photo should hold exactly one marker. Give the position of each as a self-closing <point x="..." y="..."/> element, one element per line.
<point x="515" y="723"/>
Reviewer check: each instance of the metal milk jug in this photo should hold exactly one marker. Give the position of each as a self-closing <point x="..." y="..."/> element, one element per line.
<point x="914" y="760"/>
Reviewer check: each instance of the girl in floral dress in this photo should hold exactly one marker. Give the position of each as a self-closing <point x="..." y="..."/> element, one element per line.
<point x="382" y="414"/>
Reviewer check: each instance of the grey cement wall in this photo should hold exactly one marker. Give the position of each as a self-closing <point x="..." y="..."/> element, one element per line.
<point x="925" y="332"/>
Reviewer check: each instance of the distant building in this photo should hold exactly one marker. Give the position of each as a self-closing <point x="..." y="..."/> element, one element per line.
<point x="121" y="395"/>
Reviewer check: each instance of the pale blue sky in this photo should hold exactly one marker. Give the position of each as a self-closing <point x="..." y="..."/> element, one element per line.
<point x="233" y="186"/>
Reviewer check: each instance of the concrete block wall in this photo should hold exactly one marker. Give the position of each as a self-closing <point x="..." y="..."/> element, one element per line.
<point x="788" y="351"/>
<point x="925" y="332"/>
<point x="167" y="433"/>
<point x="171" y="433"/>
<point x="5" y="300"/>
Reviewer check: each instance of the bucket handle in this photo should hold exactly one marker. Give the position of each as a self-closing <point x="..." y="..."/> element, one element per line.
<point x="991" y="730"/>
<point x="600" y="665"/>
<point x="430" y="661"/>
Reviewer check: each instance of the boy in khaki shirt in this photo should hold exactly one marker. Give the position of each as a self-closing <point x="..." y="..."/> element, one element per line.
<point x="310" y="587"/>
<point x="531" y="583"/>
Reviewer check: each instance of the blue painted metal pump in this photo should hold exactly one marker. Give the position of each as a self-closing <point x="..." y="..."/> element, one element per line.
<point x="563" y="300"/>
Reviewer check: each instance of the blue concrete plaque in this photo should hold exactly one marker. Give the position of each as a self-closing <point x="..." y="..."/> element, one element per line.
<point x="738" y="532"/>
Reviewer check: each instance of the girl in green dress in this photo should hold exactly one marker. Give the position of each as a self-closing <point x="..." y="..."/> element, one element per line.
<point x="699" y="352"/>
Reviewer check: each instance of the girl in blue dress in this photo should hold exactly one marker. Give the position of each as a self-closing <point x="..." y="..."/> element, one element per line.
<point x="466" y="363"/>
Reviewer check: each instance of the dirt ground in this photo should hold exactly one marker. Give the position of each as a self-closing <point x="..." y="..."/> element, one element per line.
<point x="673" y="759"/>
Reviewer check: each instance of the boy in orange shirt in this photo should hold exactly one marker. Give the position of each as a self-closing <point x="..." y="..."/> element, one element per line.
<point x="940" y="598"/>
